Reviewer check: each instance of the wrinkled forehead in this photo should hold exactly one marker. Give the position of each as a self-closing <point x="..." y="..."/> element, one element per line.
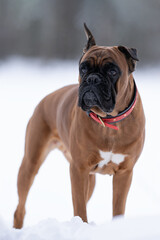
<point x="98" y="55"/>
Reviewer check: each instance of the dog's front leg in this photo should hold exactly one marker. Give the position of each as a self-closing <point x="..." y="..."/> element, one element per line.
<point x="79" y="182"/>
<point x="121" y="186"/>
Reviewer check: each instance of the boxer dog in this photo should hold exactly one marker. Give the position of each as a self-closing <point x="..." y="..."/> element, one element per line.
<point x="98" y="124"/>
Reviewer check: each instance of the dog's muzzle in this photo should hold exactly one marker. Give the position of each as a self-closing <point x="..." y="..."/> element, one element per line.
<point x="95" y="91"/>
<point x="90" y="99"/>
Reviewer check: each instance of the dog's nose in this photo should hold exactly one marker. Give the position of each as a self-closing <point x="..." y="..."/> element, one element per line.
<point x="93" y="79"/>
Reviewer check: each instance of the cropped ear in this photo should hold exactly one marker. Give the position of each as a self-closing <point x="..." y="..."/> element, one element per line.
<point x="131" y="56"/>
<point x="91" y="42"/>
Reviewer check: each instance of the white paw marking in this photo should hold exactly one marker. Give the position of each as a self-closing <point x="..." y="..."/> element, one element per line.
<point x="116" y="158"/>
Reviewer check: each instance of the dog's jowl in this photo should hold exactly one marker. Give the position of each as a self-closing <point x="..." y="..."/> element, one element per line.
<point x="98" y="124"/>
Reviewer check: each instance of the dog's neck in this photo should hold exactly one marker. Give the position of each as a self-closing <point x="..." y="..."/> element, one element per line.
<point x="125" y="98"/>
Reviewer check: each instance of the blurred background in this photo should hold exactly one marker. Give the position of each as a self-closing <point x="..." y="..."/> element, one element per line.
<point x="53" y="29"/>
<point x="41" y="42"/>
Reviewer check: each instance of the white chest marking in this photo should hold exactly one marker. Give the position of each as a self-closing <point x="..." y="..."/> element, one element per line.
<point x="116" y="158"/>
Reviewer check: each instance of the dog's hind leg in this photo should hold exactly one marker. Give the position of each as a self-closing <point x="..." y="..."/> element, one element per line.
<point x="38" y="144"/>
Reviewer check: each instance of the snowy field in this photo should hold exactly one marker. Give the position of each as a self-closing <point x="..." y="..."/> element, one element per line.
<point x="23" y="84"/>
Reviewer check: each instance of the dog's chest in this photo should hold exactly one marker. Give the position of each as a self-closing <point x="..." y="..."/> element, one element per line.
<point x="109" y="163"/>
<point x="107" y="157"/>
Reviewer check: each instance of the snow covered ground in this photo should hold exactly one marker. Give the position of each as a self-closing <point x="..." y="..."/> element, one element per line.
<point x="23" y="83"/>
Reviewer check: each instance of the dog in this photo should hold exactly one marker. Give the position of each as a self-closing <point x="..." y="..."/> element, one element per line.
<point x="98" y="124"/>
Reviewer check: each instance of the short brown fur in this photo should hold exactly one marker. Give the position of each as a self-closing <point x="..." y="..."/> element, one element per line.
<point x="58" y="122"/>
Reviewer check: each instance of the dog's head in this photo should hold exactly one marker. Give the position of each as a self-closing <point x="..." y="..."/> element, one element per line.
<point x="103" y="74"/>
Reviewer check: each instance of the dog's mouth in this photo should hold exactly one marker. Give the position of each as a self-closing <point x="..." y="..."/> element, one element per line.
<point x="96" y="99"/>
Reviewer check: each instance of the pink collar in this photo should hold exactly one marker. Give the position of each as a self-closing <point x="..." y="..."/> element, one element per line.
<point x="122" y="115"/>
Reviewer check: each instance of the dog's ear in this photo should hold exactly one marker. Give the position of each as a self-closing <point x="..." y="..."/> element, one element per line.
<point x="90" y="39"/>
<point x="131" y="56"/>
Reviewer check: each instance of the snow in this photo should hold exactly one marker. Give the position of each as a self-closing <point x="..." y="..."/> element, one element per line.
<point x="23" y="83"/>
<point x="137" y="229"/>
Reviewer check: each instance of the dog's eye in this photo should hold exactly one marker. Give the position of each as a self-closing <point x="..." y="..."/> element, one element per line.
<point x="84" y="69"/>
<point x="112" y="73"/>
